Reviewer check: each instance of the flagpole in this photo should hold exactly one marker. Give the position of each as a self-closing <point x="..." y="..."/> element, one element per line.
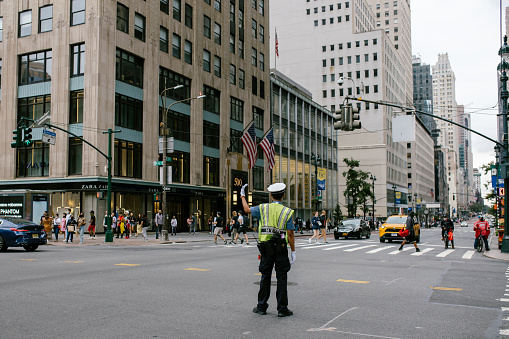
<point x="247" y="126"/>
<point x="275" y="49"/>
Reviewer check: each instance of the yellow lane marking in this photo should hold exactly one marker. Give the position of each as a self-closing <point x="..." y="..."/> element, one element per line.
<point x="74" y="262"/>
<point x="354" y="281"/>
<point x="26" y="259"/>
<point x="446" y="288"/>
<point x="127" y="264"/>
<point x="197" y="269"/>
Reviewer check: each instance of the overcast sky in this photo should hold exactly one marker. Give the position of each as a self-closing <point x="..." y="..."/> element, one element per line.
<point x="469" y="31"/>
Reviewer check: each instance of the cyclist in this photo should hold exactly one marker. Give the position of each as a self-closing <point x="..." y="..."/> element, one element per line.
<point x="482" y="228"/>
<point x="447" y="226"/>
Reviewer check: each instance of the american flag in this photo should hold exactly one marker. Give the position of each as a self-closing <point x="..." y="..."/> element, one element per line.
<point x="249" y="141"/>
<point x="267" y="145"/>
<point x="277" y="46"/>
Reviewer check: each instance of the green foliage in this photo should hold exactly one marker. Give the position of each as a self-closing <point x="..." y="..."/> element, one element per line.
<point x="338" y="214"/>
<point x="358" y="189"/>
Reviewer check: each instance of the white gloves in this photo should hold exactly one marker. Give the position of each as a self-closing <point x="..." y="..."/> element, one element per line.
<point x="243" y="191"/>
<point x="294" y="256"/>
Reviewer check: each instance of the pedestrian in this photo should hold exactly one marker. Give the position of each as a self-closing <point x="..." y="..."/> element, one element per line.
<point x="56" y="226"/>
<point x="105" y="223"/>
<point x="121" y="226"/>
<point x="144" y="227"/>
<point x="411" y="235"/>
<point x="447" y="227"/>
<point x="173" y="226"/>
<point x="128" y="224"/>
<point x="315" y="221"/>
<point x="241" y="229"/>
<point x="47" y="222"/>
<point x="210" y="224"/>
<point x="234" y="226"/>
<point x="308" y="226"/>
<point x="81" y="226"/>
<point x="191" y="223"/>
<point x="159" y="223"/>
<point x="323" y="227"/>
<point x="482" y="228"/>
<point x="132" y="225"/>
<point x="71" y="227"/>
<point x="276" y="230"/>
<point x="63" y="228"/>
<point x="113" y="223"/>
<point x="91" y="226"/>
<point x="139" y="228"/>
<point x="218" y="228"/>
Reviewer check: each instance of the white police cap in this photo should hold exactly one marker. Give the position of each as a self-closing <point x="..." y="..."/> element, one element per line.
<point x="277" y="188"/>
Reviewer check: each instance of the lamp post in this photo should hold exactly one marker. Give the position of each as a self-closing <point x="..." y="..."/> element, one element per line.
<point x="373" y="179"/>
<point x="504" y="94"/>
<point x="394" y="190"/>
<point x="415" y="202"/>
<point x="497" y="149"/>
<point x="166" y="131"/>
<point x="316" y="158"/>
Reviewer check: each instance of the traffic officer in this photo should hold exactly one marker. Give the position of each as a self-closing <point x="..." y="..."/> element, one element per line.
<point x="275" y="231"/>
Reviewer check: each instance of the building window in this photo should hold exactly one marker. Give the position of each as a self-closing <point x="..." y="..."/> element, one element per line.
<point x="262" y="89"/>
<point x="168" y="79"/>
<point x="128" y="112"/>
<point x="77" y="12"/>
<point x="375" y="72"/>
<point x="217" y="5"/>
<point x="206" y="60"/>
<point x="316" y="23"/>
<point x="139" y="26"/>
<point x="78" y="60"/>
<point x="176" y="10"/>
<point x="75" y="156"/>
<point x="242" y="79"/>
<point x="163" y="39"/>
<point x="33" y="161"/>
<point x="254" y="57"/>
<point x="349" y="59"/>
<point x="217" y="33"/>
<point x="375" y="90"/>
<point x="122" y="18"/>
<point x="232" y="43"/>
<point x="210" y="134"/>
<point x="179" y="124"/>
<point x="254" y="85"/>
<point x="258" y="178"/>
<point x="176" y="46"/>
<point x="324" y="78"/>
<point x="164" y="6"/>
<point x="357" y="59"/>
<point x="241" y="49"/>
<point x="211" y="171"/>
<point x="323" y="21"/>
<point x="347" y="18"/>
<point x="188" y="20"/>
<point x="341" y="60"/>
<point x="331" y="20"/>
<point x="262" y="62"/>
<point x="258" y="117"/>
<point x="332" y="61"/>
<point x="366" y="73"/>
<point x="261" y="7"/>
<point x="35" y="67"/>
<point x="375" y="41"/>
<point x="188" y="52"/>
<point x="254" y="26"/>
<point x="212" y="100"/>
<point x="217" y="66"/>
<point x="76" y="107"/>
<point x="262" y="34"/>
<point x="236" y="109"/>
<point x="206" y="26"/>
<point x="129" y="68"/>
<point x="324" y="94"/>
<point x="233" y="74"/>
<point x="127" y="159"/>
<point x="181" y="167"/>
<point x="45" y="19"/>
<point x="33" y="107"/>
<point x="25" y="23"/>
<point x="236" y="145"/>
<point x="375" y="56"/>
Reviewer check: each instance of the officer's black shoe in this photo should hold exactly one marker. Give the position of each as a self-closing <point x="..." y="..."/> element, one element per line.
<point x="285" y="313"/>
<point x="258" y="311"/>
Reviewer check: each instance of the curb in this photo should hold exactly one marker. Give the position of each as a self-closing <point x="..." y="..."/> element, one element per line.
<point x="496" y="254"/>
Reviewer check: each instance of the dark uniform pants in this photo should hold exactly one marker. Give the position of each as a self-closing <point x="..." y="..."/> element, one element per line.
<point x="282" y="264"/>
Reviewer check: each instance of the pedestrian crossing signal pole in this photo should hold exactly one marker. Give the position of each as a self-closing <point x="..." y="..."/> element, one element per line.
<point x="504" y="94"/>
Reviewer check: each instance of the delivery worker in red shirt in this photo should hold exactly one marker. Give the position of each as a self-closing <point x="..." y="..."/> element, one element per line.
<point x="482" y="228"/>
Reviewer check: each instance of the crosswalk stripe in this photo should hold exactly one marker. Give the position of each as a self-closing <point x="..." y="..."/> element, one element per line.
<point x="444" y="253"/>
<point x="468" y="255"/>
<point x="358" y="248"/>
<point x="426" y="250"/>
<point x="334" y="248"/>
<point x="376" y="250"/>
<point x="403" y="250"/>
<point x="317" y="246"/>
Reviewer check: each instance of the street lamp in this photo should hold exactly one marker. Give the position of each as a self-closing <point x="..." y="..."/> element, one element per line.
<point x="497" y="163"/>
<point x="373" y="179"/>
<point x="166" y="131"/>
<point x="394" y="190"/>
<point x="415" y="203"/>
<point x="504" y="94"/>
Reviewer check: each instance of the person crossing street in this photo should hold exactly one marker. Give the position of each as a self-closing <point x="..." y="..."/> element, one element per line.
<point x="275" y="231"/>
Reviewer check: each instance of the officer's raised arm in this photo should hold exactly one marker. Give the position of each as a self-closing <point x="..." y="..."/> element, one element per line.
<point x="245" y="205"/>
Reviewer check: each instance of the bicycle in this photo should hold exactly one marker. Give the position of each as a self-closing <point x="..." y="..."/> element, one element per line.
<point x="480" y="243"/>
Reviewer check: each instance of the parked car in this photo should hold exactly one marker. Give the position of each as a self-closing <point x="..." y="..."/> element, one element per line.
<point x="15" y="232"/>
<point x="390" y="229"/>
<point x="350" y="228"/>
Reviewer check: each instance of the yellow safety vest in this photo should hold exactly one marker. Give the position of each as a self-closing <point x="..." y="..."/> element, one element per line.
<point x="273" y="216"/>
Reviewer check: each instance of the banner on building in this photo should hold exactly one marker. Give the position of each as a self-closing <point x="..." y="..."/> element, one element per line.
<point x="322" y="175"/>
<point x="495" y="176"/>
<point x="398" y="197"/>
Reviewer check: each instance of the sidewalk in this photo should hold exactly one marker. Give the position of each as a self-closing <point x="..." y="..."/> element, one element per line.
<point x="138" y="241"/>
<point x="494" y="252"/>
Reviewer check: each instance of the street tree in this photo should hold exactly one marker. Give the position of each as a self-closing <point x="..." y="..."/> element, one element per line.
<point x="338" y="214"/>
<point x="358" y="189"/>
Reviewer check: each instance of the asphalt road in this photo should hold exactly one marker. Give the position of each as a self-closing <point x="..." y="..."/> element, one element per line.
<point x="345" y="289"/>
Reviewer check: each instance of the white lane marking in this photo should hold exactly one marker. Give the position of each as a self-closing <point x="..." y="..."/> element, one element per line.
<point x="426" y="250"/>
<point x="376" y="250"/>
<point x="390" y="282"/>
<point x="358" y="248"/>
<point x="403" y="250"/>
<point x="468" y="255"/>
<point x="334" y="248"/>
<point x="504" y="299"/>
<point x="345" y="312"/>
<point x="317" y="246"/>
<point x="444" y="253"/>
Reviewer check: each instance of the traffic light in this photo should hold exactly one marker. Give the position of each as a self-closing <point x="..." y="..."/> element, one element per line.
<point x="18" y="142"/>
<point x="27" y="136"/>
<point x="355" y="119"/>
<point x="339" y="118"/>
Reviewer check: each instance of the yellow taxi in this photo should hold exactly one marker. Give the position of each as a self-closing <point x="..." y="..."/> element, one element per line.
<point x="390" y="228"/>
